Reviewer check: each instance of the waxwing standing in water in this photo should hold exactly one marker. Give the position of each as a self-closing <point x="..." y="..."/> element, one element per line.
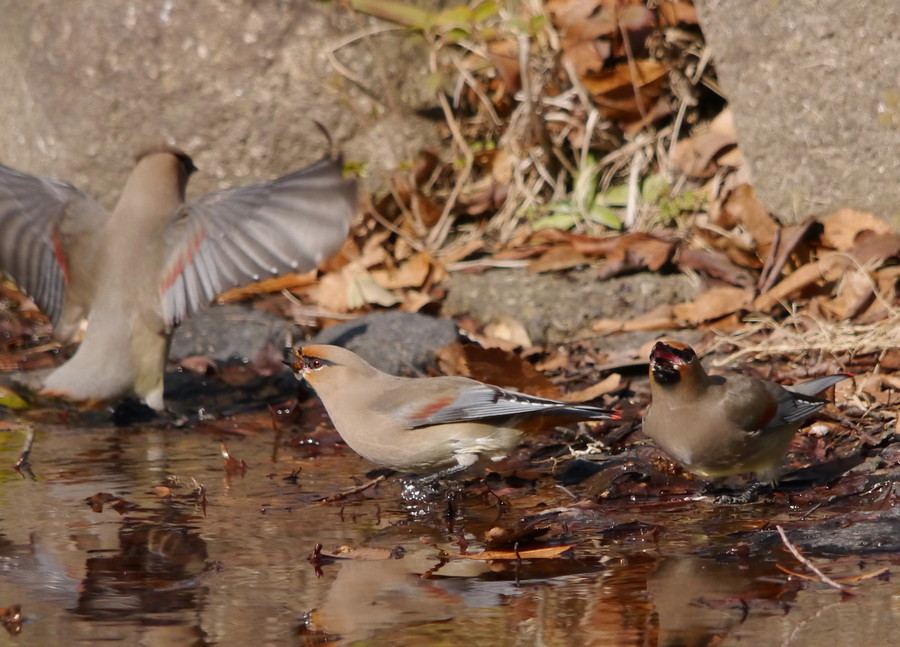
<point x="721" y="425"/>
<point x="426" y="425"/>
<point x="155" y="260"/>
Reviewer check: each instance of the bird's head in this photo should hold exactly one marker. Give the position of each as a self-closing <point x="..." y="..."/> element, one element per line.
<point x="671" y="362"/>
<point x="161" y="168"/>
<point x="321" y="364"/>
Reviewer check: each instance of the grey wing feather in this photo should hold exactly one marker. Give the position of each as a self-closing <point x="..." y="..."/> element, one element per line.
<point x="481" y="401"/>
<point x="41" y="219"/>
<point x="816" y="386"/>
<point x="237" y="236"/>
<point x="798" y="402"/>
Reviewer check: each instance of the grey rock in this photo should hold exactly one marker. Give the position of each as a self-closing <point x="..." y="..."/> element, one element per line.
<point x="400" y="343"/>
<point x="815" y="91"/>
<point x="236" y="83"/>
<point x="842" y="535"/>
<point x="230" y="332"/>
<point x="561" y="307"/>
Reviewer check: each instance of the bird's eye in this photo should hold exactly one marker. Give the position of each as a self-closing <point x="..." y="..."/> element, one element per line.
<point x="187" y="164"/>
<point x="313" y="363"/>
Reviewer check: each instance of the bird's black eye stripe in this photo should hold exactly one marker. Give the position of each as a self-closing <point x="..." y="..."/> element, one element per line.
<point x="665" y="373"/>
<point x="316" y="363"/>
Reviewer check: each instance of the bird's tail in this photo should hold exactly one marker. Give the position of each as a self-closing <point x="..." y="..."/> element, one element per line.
<point x="816" y="386"/>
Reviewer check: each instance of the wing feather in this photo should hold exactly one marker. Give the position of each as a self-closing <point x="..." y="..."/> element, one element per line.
<point x="476" y="401"/>
<point x="33" y="212"/>
<point x="237" y="236"/>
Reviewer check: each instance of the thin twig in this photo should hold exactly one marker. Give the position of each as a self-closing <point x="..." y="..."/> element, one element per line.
<point x="354" y="490"/>
<point x="634" y="193"/>
<point x="808" y="564"/>
<point x="352" y="38"/>
<point x="476" y="88"/>
<point x="441" y="230"/>
<point x="634" y="73"/>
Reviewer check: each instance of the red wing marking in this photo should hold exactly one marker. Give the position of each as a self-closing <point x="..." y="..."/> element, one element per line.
<point x="183" y="261"/>
<point x="60" y="254"/>
<point x="767" y="415"/>
<point x="432" y="408"/>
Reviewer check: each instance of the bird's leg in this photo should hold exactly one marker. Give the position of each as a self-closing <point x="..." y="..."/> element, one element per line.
<point x="23" y="465"/>
<point x="429" y="479"/>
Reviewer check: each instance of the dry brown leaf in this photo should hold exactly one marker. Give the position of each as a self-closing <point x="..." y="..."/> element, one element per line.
<point x="635" y="252"/>
<point x="828" y="268"/>
<point x="735" y="159"/>
<point x="659" y="318"/>
<point x="558" y="257"/>
<point x="197" y="364"/>
<point x="649" y="71"/>
<point x="716" y="264"/>
<point x="498" y="367"/>
<point x="872" y="249"/>
<point x="891" y="359"/>
<point x="286" y="282"/>
<point x="844" y="225"/>
<point x="350" y="288"/>
<point x="504" y="54"/>
<point x="414" y="300"/>
<point x="550" y="552"/>
<point x="854" y="295"/>
<point x="11" y="425"/>
<point x="556" y="360"/>
<point x="745" y="207"/>
<point x="608" y="326"/>
<point x="694" y="156"/>
<point x="453" y="252"/>
<point x="587" y="56"/>
<point x="878" y="386"/>
<point x="411" y="274"/>
<point x="348" y="252"/>
<point x="712" y="304"/>
<point x="610" y="383"/>
<point x="613" y="90"/>
<point x="361" y="553"/>
<point x="508" y="329"/>
<point x="674" y="12"/>
<point x="579" y="19"/>
<point x="736" y="247"/>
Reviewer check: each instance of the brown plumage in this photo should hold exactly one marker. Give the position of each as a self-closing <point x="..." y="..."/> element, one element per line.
<point x="430" y="424"/>
<point x="155" y="259"/>
<point x="720" y="425"/>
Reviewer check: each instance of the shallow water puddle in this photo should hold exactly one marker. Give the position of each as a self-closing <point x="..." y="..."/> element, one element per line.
<point x="141" y="536"/>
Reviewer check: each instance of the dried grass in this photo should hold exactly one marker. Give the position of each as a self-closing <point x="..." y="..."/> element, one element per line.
<point x="801" y="334"/>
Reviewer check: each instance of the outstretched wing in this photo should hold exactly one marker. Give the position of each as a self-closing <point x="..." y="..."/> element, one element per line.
<point x="41" y="220"/>
<point x="238" y="236"/>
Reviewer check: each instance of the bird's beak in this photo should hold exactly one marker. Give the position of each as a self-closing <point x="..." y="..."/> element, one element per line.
<point x="662" y="351"/>
<point x="296" y="365"/>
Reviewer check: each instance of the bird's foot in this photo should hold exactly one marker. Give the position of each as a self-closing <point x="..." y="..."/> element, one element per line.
<point x="131" y="411"/>
<point x="750" y="495"/>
